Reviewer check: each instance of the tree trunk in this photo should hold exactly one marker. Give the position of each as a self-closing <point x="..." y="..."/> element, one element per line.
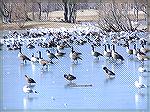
<point x="33" y="17"/>
<point x="40" y="9"/>
<point x="66" y="11"/>
<point x="148" y="15"/>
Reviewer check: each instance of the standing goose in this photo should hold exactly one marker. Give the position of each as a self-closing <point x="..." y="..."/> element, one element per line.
<point x="134" y="50"/>
<point x="116" y="55"/>
<point x="69" y="77"/>
<point x="141" y="56"/>
<point x="106" y="53"/>
<point x="51" y="55"/>
<point x="42" y="61"/>
<point x="72" y="51"/>
<point x="34" y="59"/>
<point x="59" y="53"/>
<point x="108" y="72"/>
<point x="75" y="55"/>
<point x="29" y="80"/>
<point x="129" y="51"/>
<point x="143" y="49"/>
<point x="60" y="46"/>
<point x="22" y="56"/>
<point x="94" y="53"/>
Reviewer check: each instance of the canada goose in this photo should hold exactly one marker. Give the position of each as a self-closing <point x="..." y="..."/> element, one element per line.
<point x="108" y="72"/>
<point x="60" y="46"/>
<point x="108" y="50"/>
<point x="22" y="56"/>
<point x="30" y="46"/>
<point x="134" y="50"/>
<point x="34" y="59"/>
<point x="129" y="51"/>
<point x="141" y="56"/>
<point x="106" y="53"/>
<point x="72" y="51"/>
<point x="28" y="89"/>
<point x="94" y="53"/>
<point x="75" y="55"/>
<point x="139" y="84"/>
<point x="51" y="55"/>
<point x="29" y="80"/>
<point x="116" y="55"/>
<point x="59" y="53"/>
<point x="69" y="77"/>
<point x="142" y="69"/>
<point x="144" y="50"/>
<point x="42" y="61"/>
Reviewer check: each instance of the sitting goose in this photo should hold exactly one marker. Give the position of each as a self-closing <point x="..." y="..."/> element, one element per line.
<point x="28" y="89"/>
<point x="69" y="77"/>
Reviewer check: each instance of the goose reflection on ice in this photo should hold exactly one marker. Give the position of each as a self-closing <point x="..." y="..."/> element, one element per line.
<point x="28" y="89"/>
<point x="140" y="100"/>
<point x="27" y="100"/>
<point x="71" y="84"/>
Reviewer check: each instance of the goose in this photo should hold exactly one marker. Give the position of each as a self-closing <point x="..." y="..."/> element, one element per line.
<point x="59" y="53"/>
<point x="69" y="77"/>
<point x="94" y="53"/>
<point x="108" y="50"/>
<point x="139" y="84"/>
<point x="42" y="61"/>
<point x="75" y="55"/>
<point x="106" y="53"/>
<point x="34" y="59"/>
<point x="129" y="51"/>
<point x="29" y="80"/>
<point x="108" y="72"/>
<point x="72" y="51"/>
<point x="143" y="49"/>
<point x="28" y="89"/>
<point x="141" y="57"/>
<point x="22" y="56"/>
<point x="142" y="69"/>
<point x="134" y="50"/>
<point x="116" y="55"/>
<point x="30" y="46"/>
<point x="60" y="46"/>
<point x="51" y="55"/>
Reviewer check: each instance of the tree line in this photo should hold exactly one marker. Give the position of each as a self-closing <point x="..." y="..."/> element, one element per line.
<point x="113" y="16"/>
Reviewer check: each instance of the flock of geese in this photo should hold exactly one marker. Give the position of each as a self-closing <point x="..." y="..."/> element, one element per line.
<point x="63" y="38"/>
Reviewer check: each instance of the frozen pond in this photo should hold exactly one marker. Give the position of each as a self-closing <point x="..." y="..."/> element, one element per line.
<point x="54" y="91"/>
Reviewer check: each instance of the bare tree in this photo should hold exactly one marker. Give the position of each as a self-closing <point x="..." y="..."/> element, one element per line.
<point x="117" y="16"/>
<point x="5" y="9"/>
<point x="69" y="10"/>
